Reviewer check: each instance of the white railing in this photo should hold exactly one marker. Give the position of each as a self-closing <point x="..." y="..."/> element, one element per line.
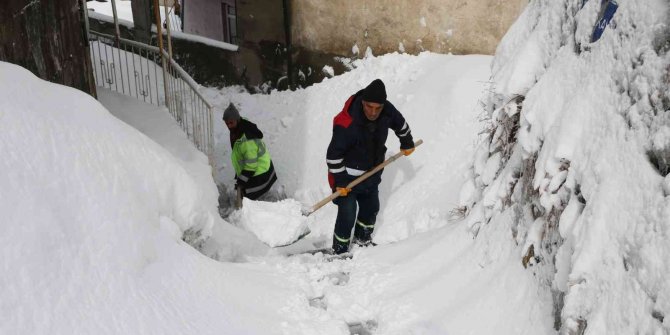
<point x="136" y="69"/>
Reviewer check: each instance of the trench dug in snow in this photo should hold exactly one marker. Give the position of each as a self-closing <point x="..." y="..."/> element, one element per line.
<point x="424" y="267"/>
<point x="426" y="275"/>
<point x="278" y="224"/>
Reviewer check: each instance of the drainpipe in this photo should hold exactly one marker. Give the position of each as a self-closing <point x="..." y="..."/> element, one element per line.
<point x="182" y="15"/>
<point x="289" y="51"/>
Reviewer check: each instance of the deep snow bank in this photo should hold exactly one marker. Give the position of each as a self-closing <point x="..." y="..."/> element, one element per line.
<point x="229" y="243"/>
<point x="577" y="154"/>
<point x="92" y="217"/>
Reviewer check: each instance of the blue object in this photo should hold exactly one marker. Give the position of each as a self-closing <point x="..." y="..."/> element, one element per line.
<point x="610" y="7"/>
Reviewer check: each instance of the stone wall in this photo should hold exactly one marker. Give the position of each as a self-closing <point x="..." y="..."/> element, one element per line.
<point x="444" y="26"/>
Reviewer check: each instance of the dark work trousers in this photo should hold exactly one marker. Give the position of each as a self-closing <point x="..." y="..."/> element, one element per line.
<point x="368" y="201"/>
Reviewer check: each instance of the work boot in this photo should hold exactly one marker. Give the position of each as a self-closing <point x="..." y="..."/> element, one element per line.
<point x="339" y="247"/>
<point x="363" y="234"/>
<point x="364" y="243"/>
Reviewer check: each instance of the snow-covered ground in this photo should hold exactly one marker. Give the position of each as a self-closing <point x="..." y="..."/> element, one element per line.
<point x="110" y="224"/>
<point x="94" y="225"/>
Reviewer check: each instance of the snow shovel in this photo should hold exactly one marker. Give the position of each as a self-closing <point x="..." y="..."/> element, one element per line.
<point x="357" y="181"/>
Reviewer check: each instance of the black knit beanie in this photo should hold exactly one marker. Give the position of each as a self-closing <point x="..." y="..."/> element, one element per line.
<point x="375" y="92"/>
<point x="231" y="113"/>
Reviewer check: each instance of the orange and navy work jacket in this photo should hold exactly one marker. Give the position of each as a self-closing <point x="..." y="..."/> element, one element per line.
<point x="358" y="144"/>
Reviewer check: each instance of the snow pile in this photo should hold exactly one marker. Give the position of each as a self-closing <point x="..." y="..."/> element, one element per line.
<point x="328" y="70"/>
<point x="44" y="152"/>
<point x="93" y="217"/>
<point x="577" y="154"/>
<point x="274" y="223"/>
<point x="229" y="243"/>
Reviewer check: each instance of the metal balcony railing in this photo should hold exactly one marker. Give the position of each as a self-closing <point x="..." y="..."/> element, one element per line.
<point x="136" y="69"/>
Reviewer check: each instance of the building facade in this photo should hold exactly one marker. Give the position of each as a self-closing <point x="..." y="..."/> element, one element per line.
<point x="443" y="26"/>
<point x="215" y="19"/>
<point x="321" y="31"/>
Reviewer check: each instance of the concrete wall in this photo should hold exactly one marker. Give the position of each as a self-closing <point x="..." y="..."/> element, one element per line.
<point x="456" y="26"/>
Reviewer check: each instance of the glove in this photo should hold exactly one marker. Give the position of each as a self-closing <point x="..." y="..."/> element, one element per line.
<point x="407" y="152"/>
<point x="343" y="191"/>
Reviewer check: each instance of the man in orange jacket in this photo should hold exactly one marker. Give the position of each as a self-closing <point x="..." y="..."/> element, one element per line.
<point x="358" y="145"/>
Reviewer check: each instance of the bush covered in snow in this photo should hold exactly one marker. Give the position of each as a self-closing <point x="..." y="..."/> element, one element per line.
<point x="577" y="152"/>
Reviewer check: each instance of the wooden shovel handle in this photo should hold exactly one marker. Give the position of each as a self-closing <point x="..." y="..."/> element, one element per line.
<point x="358" y="180"/>
<point x="238" y="197"/>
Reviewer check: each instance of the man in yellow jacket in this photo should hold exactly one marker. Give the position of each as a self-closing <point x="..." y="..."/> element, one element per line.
<point x="254" y="172"/>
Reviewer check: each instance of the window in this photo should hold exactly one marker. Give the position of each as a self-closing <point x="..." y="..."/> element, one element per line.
<point x="229" y="20"/>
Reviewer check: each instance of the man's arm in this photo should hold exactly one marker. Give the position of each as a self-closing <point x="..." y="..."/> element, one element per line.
<point x="339" y="145"/>
<point x="401" y="128"/>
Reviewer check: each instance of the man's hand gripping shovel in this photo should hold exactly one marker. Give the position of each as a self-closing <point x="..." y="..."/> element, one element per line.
<point x="318" y="205"/>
